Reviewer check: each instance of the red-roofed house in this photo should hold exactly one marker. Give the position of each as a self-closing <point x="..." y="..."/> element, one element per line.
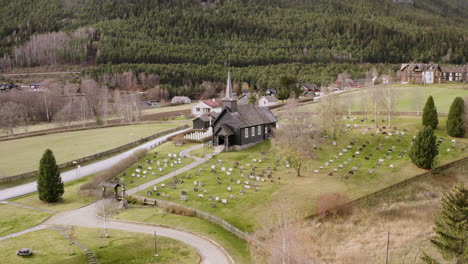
<point x="206" y="106"/>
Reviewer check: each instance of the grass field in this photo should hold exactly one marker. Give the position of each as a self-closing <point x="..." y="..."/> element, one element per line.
<point x="122" y="247"/>
<point x="443" y="95"/>
<point x="361" y="237"/>
<point x="245" y="211"/>
<point x="24" y="154"/>
<point x="14" y="219"/>
<point x="164" y="109"/>
<point x="236" y="247"/>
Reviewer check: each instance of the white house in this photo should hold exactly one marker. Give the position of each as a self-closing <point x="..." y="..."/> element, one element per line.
<point x="206" y="106"/>
<point x="181" y="100"/>
<point x="268" y="100"/>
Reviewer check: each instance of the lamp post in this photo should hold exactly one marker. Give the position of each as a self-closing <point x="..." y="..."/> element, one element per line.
<point x="77" y="175"/>
<point x="155" y="246"/>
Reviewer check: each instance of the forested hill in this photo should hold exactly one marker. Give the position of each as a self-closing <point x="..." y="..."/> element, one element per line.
<point x="241" y="32"/>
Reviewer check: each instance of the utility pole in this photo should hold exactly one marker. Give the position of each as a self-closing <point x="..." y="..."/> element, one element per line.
<point x="388" y="242"/>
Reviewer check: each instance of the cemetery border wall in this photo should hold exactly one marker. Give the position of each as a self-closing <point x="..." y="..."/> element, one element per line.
<point x="434" y="172"/>
<point x="200" y="214"/>
<point x="33" y="174"/>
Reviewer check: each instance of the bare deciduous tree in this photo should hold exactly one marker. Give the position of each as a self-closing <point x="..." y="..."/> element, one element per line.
<point x="417" y="99"/>
<point x="389" y="97"/>
<point x="13" y="115"/>
<point x="331" y="113"/>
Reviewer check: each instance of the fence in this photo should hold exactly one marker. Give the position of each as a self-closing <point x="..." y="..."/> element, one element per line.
<point x="385" y="190"/>
<point x="94" y="156"/>
<point x="200" y="214"/>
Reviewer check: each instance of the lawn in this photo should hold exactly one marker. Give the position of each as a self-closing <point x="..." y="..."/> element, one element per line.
<point x="50" y="247"/>
<point x="24" y="154"/>
<point x="246" y="210"/>
<point x="236" y="247"/>
<point x="443" y="95"/>
<point x="155" y="156"/>
<point x="70" y="199"/>
<point x="157" y="110"/>
<point x="14" y="219"/>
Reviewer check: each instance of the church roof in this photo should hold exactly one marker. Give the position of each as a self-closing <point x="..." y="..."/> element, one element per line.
<point x="250" y="115"/>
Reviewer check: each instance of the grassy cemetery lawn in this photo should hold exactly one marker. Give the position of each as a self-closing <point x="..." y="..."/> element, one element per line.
<point x="71" y="198"/>
<point x="122" y="247"/>
<point x="443" y="95"/>
<point x="236" y="247"/>
<point x="381" y="162"/>
<point x="24" y="154"/>
<point x="14" y="219"/>
<point x="202" y="152"/>
<point x="153" y="165"/>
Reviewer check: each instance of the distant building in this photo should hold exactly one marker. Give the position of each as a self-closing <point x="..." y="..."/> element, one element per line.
<point x="454" y="73"/>
<point x="241" y="126"/>
<point x="268" y="100"/>
<point x="180" y="100"/>
<point x="310" y="90"/>
<point x="244" y="99"/>
<point x="204" y="121"/>
<point x="206" y="106"/>
<point x="420" y="73"/>
<point x="270" y="92"/>
<point x="6" y="87"/>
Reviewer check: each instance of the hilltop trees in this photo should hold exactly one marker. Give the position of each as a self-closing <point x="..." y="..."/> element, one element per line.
<point x="424" y="149"/>
<point x="455" y="125"/>
<point x="451" y="227"/>
<point x="49" y="182"/>
<point x="430" y="114"/>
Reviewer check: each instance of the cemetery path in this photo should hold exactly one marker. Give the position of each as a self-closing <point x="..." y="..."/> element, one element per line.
<point x="185" y="153"/>
<point x="83" y="171"/>
<point x="209" y="252"/>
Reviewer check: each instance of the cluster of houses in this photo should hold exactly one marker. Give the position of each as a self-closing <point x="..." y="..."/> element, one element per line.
<point x="421" y="73"/>
<point x="6" y="87"/>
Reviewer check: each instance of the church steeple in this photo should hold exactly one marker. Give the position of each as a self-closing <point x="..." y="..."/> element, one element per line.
<point x="228" y="101"/>
<point x="229" y="86"/>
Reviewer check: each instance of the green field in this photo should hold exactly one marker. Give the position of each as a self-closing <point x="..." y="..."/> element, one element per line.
<point x="24" y="154"/>
<point x="236" y="247"/>
<point x="50" y="247"/>
<point x="405" y="97"/>
<point x="165" y="109"/>
<point x="14" y="219"/>
<point x="245" y="211"/>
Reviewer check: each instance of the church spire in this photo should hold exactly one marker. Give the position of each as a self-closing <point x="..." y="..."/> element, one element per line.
<point x="229" y="86"/>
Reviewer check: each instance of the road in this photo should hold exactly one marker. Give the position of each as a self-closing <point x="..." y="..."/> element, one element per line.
<point x="83" y="171"/>
<point x="209" y="252"/>
<point x="39" y="73"/>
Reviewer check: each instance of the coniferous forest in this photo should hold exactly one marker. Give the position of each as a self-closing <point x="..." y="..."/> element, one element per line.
<point x="190" y="41"/>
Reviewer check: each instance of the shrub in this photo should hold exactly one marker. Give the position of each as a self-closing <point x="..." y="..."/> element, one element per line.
<point x="110" y="173"/>
<point x="333" y="203"/>
<point x="131" y="200"/>
<point x="455" y="125"/>
<point x="179" y="140"/>
<point x="424" y="149"/>
<point x="430" y="114"/>
<point x="180" y="210"/>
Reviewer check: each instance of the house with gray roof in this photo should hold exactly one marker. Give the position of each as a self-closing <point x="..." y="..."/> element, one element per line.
<point x="241" y="126"/>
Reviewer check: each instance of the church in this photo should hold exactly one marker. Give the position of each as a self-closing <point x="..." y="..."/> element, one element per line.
<point x="241" y="126"/>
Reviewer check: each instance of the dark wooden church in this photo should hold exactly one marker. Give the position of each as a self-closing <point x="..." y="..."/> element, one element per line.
<point x="241" y="126"/>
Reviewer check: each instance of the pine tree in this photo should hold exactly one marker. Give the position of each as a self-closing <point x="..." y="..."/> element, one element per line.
<point x="49" y="182"/>
<point x="455" y="125"/>
<point x="430" y="114"/>
<point x="424" y="150"/>
<point x="451" y="227"/>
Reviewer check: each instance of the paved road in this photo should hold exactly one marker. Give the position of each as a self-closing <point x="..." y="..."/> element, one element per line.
<point x="83" y="171"/>
<point x="86" y="217"/>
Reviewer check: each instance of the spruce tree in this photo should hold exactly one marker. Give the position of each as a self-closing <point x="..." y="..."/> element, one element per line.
<point x="451" y="227"/>
<point x="424" y="149"/>
<point x="430" y="114"/>
<point x="49" y="182"/>
<point x="455" y="125"/>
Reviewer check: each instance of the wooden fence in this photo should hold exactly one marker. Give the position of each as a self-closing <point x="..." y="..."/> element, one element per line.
<point x="96" y="156"/>
<point x="372" y="196"/>
<point x="200" y="214"/>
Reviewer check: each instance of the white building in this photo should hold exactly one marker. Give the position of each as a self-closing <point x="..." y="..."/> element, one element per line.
<point x="268" y="100"/>
<point x="181" y="100"/>
<point x="206" y="106"/>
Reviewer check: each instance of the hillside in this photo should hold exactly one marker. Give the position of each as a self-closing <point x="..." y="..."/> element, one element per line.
<point x="243" y="33"/>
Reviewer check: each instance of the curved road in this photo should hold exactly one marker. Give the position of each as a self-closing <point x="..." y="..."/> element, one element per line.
<point x="209" y="252"/>
<point x="83" y="171"/>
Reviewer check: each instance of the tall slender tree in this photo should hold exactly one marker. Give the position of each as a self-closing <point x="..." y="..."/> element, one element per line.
<point x="49" y="182"/>
<point x="430" y="114"/>
<point x="424" y="149"/>
<point x="451" y="227"/>
<point x="455" y="125"/>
